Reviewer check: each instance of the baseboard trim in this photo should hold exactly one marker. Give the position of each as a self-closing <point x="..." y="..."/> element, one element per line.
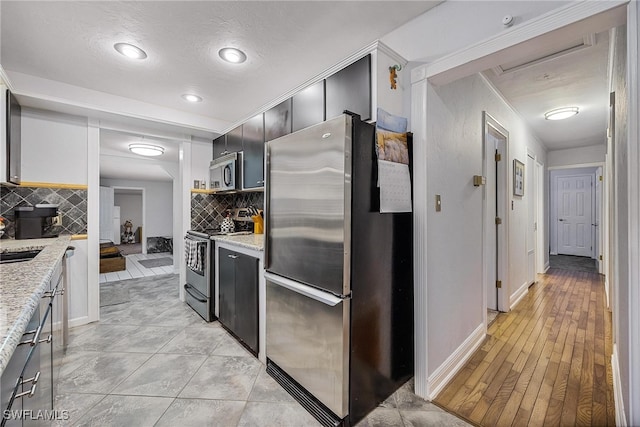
<point x="445" y="372"/>
<point x="606" y="291"/>
<point x="79" y="321"/>
<point x="518" y="295"/>
<point x="621" y="419"/>
<point x="547" y="266"/>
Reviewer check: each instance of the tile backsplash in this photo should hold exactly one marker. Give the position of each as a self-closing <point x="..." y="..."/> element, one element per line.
<point x="72" y="205"/>
<point x="207" y="210"/>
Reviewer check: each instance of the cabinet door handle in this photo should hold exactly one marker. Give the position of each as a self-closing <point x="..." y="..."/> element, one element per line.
<point x="233" y="256"/>
<point x="32" y="391"/>
<point x="260" y="182"/>
<point x="36" y="337"/>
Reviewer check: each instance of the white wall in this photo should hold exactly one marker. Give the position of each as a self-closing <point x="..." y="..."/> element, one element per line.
<point x="454" y="244"/>
<point x="54" y="147"/>
<point x="576" y="156"/>
<point x="158" y="221"/>
<point x="454" y="25"/>
<point x="202" y="154"/>
<point x="130" y="208"/>
<point x="54" y="150"/>
<point x="78" y="291"/>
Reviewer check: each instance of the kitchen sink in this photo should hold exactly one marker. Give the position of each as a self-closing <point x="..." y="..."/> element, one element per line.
<point x="7" y="257"/>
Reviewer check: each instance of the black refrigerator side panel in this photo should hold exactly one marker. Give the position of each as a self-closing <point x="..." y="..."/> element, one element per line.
<point x="382" y="338"/>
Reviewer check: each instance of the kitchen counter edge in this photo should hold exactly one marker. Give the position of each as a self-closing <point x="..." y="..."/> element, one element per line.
<point x="249" y="241"/>
<point x="22" y="285"/>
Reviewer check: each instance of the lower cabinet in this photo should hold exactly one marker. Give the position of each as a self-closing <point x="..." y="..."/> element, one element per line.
<point x="238" y="296"/>
<point x="27" y="384"/>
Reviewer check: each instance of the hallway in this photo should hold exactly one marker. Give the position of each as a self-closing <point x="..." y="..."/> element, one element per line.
<point x="547" y="362"/>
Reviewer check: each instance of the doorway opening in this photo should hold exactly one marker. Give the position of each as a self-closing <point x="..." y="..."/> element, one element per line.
<point x="136" y="209"/>
<point x="128" y="220"/>
<point x="574" y="235"/>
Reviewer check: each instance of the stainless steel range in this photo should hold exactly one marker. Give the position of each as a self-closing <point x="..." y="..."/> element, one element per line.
<point x="199" y="292"/>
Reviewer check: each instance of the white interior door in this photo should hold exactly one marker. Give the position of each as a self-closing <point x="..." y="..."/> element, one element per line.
<point x="575" y="214"/>
<point x="530" y="194"/>
<point x="495" y="212"/>
<point x="598" y="234"/>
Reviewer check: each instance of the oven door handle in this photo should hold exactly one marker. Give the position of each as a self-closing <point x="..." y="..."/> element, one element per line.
<point x="187" y="288"/>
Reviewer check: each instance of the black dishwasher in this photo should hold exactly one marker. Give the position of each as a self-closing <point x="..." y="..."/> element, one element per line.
<point x="238" y="281"/>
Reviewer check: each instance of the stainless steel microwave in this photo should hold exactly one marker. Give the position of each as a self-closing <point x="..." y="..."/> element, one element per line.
<point x="225" y="172"/>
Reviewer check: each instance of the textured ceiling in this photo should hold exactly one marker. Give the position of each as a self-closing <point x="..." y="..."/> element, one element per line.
<point x="578" y="78"/>
<point x="287" y="43"/>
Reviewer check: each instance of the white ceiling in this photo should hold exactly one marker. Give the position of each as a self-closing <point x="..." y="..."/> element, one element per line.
<point x="117" y="162"/>
<point x="287" y="43"/>
<point x="577" y="78"/>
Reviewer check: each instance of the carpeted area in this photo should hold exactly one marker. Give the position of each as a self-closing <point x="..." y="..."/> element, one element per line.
<point x="130" y="248"/>
<point x="575" y="263"/>
<point x="156" y="262"/>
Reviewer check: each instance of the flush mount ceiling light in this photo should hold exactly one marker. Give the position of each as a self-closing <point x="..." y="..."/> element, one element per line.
<point x="130" y="51"/>
<point x="561" y="113"/>
<point x="146" y="149"/>
<point x="233" y="55"/>
<point x="191" y="98"/>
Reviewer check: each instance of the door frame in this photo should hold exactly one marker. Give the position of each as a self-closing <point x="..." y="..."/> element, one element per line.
<point x="531" y="196"/>
<point x="143" y="235"/>
<point x="553" y="209"/>
<point x="488" y="226"/>
<point x="542" y="260"/>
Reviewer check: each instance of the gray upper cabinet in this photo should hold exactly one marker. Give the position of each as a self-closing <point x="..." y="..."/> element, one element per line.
<point x="277" y="121"/>
<point x="229" y="143"/>
<point x="350" y="89"/>
<point x="234" y="140"/>
<point x="10" y="141"/>
<point x="253" y="148"/>
<point x="308" y="106"/>
<point x="220" y="146"/>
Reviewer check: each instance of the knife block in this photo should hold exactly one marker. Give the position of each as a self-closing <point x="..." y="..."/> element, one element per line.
<point x="258" y="224"/>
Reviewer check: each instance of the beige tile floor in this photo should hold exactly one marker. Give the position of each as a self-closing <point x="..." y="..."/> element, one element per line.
<point x="153" y="362"/>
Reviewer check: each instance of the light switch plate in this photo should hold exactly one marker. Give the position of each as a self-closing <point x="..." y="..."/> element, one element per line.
<point x="438" y="203"/>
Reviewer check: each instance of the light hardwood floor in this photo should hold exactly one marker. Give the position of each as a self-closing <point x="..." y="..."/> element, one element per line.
<point x="547" y="362"/>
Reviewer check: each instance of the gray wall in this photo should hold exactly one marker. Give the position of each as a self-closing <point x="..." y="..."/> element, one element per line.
<point x="158" y="198"/>
<point x="622" y="338"/>
<point x="454" y="247"/>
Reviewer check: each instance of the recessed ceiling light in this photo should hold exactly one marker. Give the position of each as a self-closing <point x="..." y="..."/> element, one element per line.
<point x="130" y="51"/>
<point x="233" y="55"/>
<point x="146" y="149"/>
<point x="561" y="113"/>
<point x="191" y="97"/>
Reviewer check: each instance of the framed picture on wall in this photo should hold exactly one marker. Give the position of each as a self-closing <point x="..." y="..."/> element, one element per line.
<point x="518" y="178"/>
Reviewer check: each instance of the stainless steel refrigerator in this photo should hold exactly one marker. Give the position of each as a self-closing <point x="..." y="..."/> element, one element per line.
<point x="339" y="273"/>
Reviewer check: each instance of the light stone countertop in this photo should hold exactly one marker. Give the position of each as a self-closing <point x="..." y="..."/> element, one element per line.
<point x="249" y="241"/>
<point x="22" y="284"/>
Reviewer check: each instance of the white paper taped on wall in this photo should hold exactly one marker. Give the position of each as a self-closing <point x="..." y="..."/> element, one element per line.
<point x="394" y="177"/>
<point x="395" y="187"/>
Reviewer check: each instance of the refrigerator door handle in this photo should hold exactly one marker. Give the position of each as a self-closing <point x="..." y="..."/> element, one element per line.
<point x="320" y="296"/>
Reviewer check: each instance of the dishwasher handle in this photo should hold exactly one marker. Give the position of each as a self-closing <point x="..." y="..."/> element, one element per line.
<point x="308" y="291"/>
